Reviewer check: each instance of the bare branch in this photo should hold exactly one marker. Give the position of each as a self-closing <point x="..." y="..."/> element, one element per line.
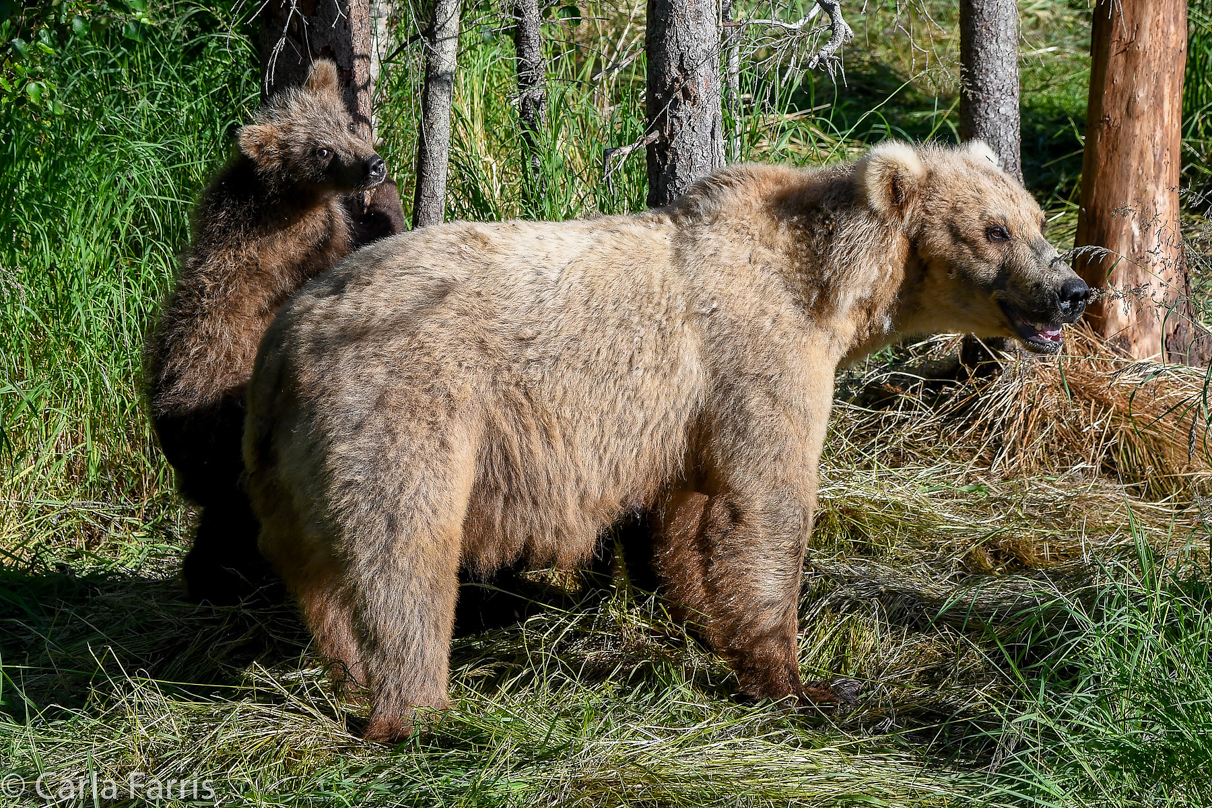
<point x="773" y="23"/>
<point x="840" y="34"/>
<point x="619" y="65"/>
<point x="613" y="159"/>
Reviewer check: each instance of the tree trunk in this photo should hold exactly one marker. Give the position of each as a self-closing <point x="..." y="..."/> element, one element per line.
<point x="732" y="78"/>
<point x="532" y="89"/>
<point x="433" y="143"/>
<point x="295" y="33"/>
<point x="989" y="110"/>
<point x="989" y="90"/>
<point x="682" y="42"/>
<point x="1130" y="178"/>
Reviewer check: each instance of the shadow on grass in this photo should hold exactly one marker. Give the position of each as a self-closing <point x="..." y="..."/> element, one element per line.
<point x="69" y="641"/>
<point x="62" y="635"/>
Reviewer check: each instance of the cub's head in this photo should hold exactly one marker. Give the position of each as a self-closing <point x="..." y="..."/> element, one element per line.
<point x="305" y="137"/>
<point x="978" y="235"/>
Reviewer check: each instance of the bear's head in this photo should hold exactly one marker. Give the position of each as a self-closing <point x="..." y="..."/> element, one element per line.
<point x="978" y="236"/>
<point x="305" y="137"/>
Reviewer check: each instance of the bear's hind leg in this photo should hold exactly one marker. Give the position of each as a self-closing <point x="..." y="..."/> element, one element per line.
<point x="315" y="577"/>
<point x="402" y="548"/>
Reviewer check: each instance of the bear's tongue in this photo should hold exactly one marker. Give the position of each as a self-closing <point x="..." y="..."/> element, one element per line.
<point x="1050" y="333"/>
<point x="1041" y="332"/>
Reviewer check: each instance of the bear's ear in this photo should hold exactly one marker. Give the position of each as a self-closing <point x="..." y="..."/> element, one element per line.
<point x="980" y="150"/>
<point x="322" y="77"/>
<point x="891" y="175"/>
<point x="259" y="141"/>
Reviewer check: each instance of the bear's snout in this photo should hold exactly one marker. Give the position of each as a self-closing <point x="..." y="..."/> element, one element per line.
<point x="1072" y="297"/>
<point x="376" y="170"/>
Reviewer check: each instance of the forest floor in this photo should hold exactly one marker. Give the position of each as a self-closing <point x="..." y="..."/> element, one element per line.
<point x="1015" y="566"/>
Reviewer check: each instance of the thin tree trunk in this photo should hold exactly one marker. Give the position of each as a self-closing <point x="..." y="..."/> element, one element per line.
<point x="1130" y="178"/>
<point x="433" y="144"/>
<point x="989" y="110"/>
<point x="351" y="33"/>
<point x="989" y="91"/>
<point x="682" y="42"/>
<point x="732" y="79"/>
<point x="532" y="88"/>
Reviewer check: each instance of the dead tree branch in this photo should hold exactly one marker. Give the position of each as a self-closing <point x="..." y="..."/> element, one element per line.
<point x="839" y="32"/>
<point x="613" y="159"/>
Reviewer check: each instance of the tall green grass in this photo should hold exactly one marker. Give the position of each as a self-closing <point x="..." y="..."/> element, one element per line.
<point x="1197" y="116"/>
<point x="1118" y="696"/>
<point x="1197" y="88"/>
<point x="96" y="209"/>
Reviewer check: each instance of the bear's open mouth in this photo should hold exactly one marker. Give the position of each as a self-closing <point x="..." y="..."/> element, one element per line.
<point x="1038" y="336"/>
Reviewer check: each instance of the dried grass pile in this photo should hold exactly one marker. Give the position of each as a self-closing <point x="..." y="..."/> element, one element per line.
<point x="1144" y="425"/>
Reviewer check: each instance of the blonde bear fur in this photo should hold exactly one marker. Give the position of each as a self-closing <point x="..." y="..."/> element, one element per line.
<point x="471" y="394"/>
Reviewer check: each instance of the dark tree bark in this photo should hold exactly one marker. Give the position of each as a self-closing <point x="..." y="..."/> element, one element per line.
<point x="1129" y="212"/>
<point x="295" y="33"/>
<point x="433" y="143"/>
<point x="532" y="88"/>
<point x="682" y="42"/>
<point x="989" y="90"/>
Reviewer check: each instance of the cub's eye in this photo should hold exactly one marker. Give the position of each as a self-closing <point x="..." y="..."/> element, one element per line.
<point x="996" y="232"/>
<point x="323" y="154"/>
<point x="353" y="130"/>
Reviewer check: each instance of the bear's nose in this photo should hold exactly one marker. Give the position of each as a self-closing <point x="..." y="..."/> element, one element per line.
<point x="376" y="169"/>
<point x="1073" y="295"/>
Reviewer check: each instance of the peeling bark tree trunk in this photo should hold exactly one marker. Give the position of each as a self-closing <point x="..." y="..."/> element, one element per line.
<point x="532" y="88"/>
<point x="433" y="143"/>
<point x="295" y="33"/>
<point x="1130" y="177"/>
<point x="682" y="42"/>
<point x="989" y="92"/>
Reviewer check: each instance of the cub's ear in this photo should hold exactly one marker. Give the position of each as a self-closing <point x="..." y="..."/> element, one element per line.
<point x="980" y="150"/>
<point x="259" y="141"/>
<point x="322" y="77"/>
<point x="891" y="175"/>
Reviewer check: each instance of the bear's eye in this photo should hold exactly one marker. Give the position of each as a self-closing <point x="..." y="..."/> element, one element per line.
<point x="995" y="232"/>
<point x="353" y="130"/>
<point x="323" y="154"/>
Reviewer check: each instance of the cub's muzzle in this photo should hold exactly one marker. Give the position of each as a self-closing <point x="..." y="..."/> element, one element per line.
<point x="374" y="171"/>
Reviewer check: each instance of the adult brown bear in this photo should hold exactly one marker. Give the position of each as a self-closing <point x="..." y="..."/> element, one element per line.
<point x="476" y="393"/>
<point x="271" y="220"/>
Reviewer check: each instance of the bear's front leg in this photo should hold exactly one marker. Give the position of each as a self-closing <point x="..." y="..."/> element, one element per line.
<point x="738" y="579"/>
<point x="730" y="544"/>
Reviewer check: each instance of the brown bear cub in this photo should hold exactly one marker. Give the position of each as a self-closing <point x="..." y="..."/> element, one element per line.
<point x="271" y="220"/>
<point x="471" y="394"/>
